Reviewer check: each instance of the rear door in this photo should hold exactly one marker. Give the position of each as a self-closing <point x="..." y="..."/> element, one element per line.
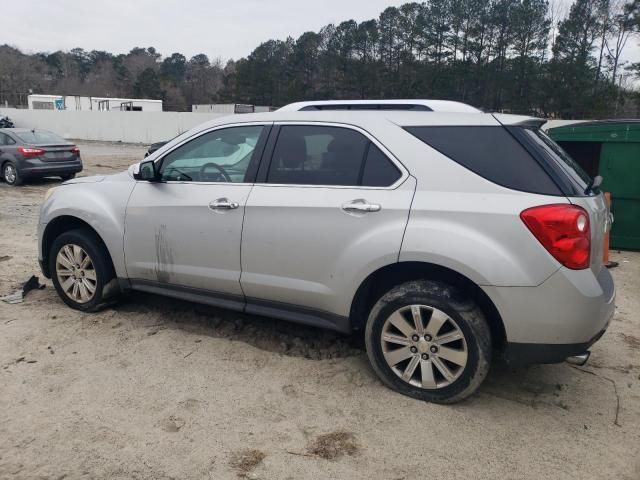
<point x="329" y="205"/>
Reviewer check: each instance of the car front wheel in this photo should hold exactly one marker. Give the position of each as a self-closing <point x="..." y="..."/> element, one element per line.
<point x="80" y="270"/>
<point x="427" y="340"/>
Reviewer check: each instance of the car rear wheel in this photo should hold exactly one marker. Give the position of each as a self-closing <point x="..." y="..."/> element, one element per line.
<point x="80" y="270"/>
<point x="429" y="341"/>
<point x="10" y="174"/>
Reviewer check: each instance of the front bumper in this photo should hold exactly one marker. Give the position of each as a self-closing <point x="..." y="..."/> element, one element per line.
<point x="562" y="317"/>
<point x="44" y="269"/>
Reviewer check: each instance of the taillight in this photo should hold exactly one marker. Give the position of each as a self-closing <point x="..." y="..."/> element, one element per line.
<point x="75" y="150"/>
<point x="31" y="152"/>
<point x="564" y="231"/>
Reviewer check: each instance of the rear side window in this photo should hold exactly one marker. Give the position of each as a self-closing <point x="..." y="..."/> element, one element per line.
<point x="6" y="139"/>
<point x="319" y="155"/>
<point x="492" y="153"/>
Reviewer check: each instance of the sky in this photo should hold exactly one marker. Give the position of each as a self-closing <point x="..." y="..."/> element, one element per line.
<point x="225" y="29"/>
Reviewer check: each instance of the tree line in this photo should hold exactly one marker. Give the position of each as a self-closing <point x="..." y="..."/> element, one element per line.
<point x="520" y="56"/>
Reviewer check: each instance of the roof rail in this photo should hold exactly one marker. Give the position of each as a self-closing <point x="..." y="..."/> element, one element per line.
<point x="386" y="105"/>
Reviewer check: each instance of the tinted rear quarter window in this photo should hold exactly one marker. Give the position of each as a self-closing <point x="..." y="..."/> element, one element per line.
<point x="490" y="152"/>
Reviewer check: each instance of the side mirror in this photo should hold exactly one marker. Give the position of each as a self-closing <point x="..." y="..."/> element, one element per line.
<point x="146" y="172"/>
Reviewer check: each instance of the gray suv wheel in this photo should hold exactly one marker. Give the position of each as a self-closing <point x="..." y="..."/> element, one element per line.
<point x="80" y="269"/>
<point x="428" y="341"/>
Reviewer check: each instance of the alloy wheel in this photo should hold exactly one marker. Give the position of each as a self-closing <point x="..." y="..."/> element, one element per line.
<point x="76" y="273"/>
<point x="10" y="174"/>
<point x="424" y="346"/>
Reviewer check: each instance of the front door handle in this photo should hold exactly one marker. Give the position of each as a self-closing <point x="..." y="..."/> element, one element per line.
<point x="223" y="204"/>
<point x="361" y="206"/>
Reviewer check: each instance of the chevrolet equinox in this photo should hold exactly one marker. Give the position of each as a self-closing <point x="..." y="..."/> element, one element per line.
<point x="445" y="235"/>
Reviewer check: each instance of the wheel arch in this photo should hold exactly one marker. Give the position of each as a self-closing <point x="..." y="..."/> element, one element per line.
<point x="57" y="227"/>
<point x="385" y="278"/>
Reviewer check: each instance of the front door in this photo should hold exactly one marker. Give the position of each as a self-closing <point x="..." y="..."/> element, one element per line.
<point x="184" y="230"/>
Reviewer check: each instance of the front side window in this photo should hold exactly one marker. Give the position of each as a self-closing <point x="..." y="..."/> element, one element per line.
<point x="335" y="156"/>
<point x="219" y="156"/>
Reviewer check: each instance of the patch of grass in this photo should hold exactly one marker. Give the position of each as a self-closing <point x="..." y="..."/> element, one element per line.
<point x="331" y="446"/>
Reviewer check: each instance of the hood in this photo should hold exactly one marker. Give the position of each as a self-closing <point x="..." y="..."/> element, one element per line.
<point x="116" y="177"/>
<point x="92" y="179"/>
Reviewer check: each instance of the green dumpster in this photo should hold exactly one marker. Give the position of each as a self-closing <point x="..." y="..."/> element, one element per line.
<point x="610" y="148"/>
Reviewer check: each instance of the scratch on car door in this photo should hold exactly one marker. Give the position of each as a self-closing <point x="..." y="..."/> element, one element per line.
<point x="164" y="256"/>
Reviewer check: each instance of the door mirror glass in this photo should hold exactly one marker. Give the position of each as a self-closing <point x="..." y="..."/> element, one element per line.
<point x="147" y="171"/>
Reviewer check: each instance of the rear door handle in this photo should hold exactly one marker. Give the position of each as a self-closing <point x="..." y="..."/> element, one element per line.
<point x="361" y="206"/>
<point x="223" y="204"/>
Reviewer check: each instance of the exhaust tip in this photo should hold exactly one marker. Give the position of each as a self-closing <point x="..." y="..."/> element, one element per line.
<point x="579" y="360"/>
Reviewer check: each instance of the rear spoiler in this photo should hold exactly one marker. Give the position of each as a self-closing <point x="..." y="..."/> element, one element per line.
<point x="519" y="121"/>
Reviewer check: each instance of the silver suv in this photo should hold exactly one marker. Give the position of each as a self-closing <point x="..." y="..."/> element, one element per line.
<point x="446" y="239"/>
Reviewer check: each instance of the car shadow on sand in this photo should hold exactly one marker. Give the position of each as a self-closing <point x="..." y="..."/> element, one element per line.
<point x="266" y="333"/>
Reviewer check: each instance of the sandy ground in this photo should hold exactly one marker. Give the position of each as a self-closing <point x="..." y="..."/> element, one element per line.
<point x="158" y="389"/>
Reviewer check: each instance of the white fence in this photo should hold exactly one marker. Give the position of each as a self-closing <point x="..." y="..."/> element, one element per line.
<point x="130" y="127"/>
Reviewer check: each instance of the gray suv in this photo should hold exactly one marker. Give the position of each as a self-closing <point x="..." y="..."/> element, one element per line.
<point x="446" y="238"/>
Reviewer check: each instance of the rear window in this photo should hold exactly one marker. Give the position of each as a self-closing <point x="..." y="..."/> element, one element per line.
<point x="492" y="153"/>
<point x="40" y="137"/>
<point x="554" y="152"/>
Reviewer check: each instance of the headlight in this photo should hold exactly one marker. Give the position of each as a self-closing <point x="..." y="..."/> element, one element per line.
<point x="49" y="193"/>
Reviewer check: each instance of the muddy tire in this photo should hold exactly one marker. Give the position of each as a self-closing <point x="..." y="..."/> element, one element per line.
<point x="427" y="340"/>
<point x="81" y="270"/>
<point x="11" y="175"/>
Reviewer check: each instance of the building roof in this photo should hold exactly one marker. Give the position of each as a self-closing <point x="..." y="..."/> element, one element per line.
<point x="40" y="95"/>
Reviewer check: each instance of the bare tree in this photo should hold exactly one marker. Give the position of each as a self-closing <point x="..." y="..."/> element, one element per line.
<point x="620" y="31"/>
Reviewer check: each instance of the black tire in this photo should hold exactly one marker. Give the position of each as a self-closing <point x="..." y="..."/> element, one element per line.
<point x="104" y="273"/>
<point x="67" y="177"/>
<point x="13" y="180"/>
<point x="458" y="307"/>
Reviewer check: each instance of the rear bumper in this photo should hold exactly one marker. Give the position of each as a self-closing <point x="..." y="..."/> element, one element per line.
<point x="530" y="353"/>
<point x="562" y="317"/>
<point x="34" y="167"/>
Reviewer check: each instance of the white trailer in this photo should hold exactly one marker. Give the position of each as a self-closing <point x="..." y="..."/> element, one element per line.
<point x="77" y="102"/>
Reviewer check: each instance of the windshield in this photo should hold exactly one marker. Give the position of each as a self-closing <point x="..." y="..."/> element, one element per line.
<point x="40" y="137"/>
<point x="553" y="151"/>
